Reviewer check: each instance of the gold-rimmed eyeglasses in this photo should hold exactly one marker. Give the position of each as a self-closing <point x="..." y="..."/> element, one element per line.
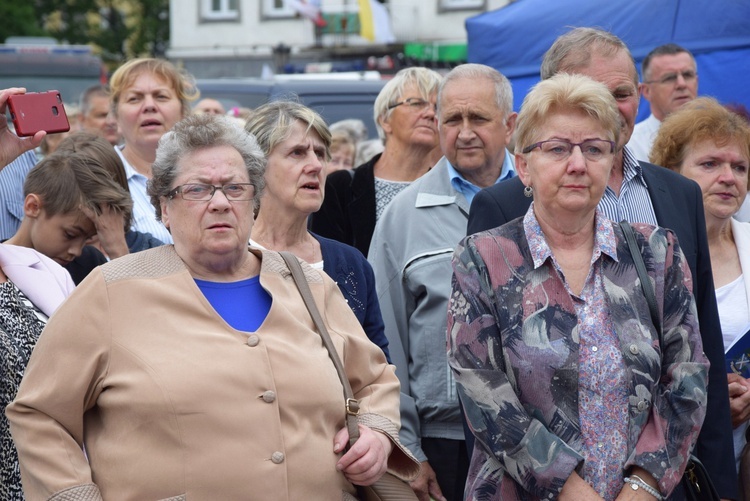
<point x="205" y="192"/>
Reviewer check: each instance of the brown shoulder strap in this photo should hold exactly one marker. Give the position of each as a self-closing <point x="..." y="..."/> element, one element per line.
<point x="352" y="405"/>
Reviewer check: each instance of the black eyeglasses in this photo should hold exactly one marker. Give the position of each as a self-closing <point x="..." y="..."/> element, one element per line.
<point x="205" y="192"/>
<point x="561" y="149"/>
<point x="671" y="78"/>
<point x="414" y="103"/>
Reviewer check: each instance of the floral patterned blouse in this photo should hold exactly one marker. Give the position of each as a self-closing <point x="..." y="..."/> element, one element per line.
<point x="533" y="389"/>
<point x="602" y="393"/>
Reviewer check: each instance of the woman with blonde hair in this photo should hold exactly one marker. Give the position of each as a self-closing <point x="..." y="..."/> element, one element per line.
<point x="404" y="114"/>
<point x="148" y="97"/>
<point x="570" y="389"/>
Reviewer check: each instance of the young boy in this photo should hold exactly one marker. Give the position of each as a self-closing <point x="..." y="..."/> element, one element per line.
<point x="58" y="192"/>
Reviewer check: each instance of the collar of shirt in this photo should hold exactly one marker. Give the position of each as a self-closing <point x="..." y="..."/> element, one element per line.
<point x="631" y="168"/>
<point x="467" y="189"/>
<point x="130" y="172"/>
<point x="604" y="238"/>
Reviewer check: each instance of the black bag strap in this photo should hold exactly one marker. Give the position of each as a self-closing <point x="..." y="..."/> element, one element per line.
<point x="640" y="266"/>
<point x="352" y="404"/>
<point x="695" y="475"/>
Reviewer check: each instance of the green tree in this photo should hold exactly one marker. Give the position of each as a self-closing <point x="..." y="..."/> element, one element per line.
<point x="120" y="29"/>
<point x="19" y="19"/>
<point x="151" y="34"/>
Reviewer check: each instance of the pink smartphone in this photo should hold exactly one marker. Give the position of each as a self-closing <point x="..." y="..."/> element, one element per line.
<point x="35" y="111"/>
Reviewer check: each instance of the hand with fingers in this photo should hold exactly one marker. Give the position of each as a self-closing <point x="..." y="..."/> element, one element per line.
<point x="110" y="230"/>
<point x="367" y="460"/>
<point x="11" y="146"/>
<point x="739" y="398"/>
<point x="425" y="486"/>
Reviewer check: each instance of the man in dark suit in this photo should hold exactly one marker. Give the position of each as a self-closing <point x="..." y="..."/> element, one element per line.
<point x="639" y="192"/>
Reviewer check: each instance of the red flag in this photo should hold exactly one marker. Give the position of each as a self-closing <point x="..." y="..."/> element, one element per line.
<point x="310" y="9"/>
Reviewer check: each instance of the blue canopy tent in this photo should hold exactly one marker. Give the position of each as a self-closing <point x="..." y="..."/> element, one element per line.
<point x="514" y="38"/>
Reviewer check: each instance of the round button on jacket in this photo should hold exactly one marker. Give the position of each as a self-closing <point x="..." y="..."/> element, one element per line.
<point x="253" y="340"/>
<point x="277" y="457"/>
<point x="269" y="396"/>
<point x="634" y="349"/>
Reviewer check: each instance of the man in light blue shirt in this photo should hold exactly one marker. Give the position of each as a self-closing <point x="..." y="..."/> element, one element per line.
<point x="468" y="189"/>
<point x="12" y="178"/>
<point x="411" y="252"/>
<point x="16" y="159"/>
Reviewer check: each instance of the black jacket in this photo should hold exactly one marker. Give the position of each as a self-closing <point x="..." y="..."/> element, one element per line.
<point x="348" y="211"/>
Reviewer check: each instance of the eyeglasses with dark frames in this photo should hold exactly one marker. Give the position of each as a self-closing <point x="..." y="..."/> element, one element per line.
<point x="414" y="103"/>
<point x="561" y="149"/>
<point x="671" y="78"/>
<point x="234" y="192"/>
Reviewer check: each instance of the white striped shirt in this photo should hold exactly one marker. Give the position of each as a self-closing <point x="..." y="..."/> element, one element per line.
<point x="144" y="215"/>
<point x="634" y="202"/>
<point x="12" y="178"/>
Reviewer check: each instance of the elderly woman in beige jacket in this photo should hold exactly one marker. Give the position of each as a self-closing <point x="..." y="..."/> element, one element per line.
<point x="193" y="371"/>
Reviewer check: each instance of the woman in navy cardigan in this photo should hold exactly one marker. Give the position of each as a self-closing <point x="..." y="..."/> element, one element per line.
<point x="296" y="142"/>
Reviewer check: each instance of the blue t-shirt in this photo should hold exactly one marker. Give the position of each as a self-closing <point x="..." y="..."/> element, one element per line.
<point x="244" y="305"/>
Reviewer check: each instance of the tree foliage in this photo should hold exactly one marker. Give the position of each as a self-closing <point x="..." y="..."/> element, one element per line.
<point x="19" y="19"/>
<point x="120" y="29"/>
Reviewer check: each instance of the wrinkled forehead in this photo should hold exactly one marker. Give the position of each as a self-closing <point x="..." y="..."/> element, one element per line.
<point x="670" y="63"/>
<point x="602" y="62"/>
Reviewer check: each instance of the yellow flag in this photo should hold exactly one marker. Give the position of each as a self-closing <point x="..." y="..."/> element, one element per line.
<point x="366" y="22"/>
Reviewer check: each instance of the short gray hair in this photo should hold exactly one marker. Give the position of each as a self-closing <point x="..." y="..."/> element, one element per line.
<point x="425" y="79"/>
<point x="503" y="89"/>
<point x="195" y="133"/>
<point x="272" y="123"/>
<point x="353" y="127"/>
<point x="669" y="49"/>
<point x="96" y="90"/>
<point x="574" y="50"/>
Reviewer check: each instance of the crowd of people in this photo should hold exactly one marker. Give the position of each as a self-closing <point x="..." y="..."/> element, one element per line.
<point x="483" y="274"/>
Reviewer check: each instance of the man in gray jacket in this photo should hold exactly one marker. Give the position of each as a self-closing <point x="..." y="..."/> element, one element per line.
<point x="411" y="252"/>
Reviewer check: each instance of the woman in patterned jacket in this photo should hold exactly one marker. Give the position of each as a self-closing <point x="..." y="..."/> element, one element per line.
<point x="568" y="387"/>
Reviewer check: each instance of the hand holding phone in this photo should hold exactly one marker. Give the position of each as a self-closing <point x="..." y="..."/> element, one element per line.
<point x="38" y="111"/>
<point x="11" y="146"/>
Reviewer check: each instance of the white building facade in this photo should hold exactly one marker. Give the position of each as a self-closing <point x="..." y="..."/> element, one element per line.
<point x="216" y="38"/>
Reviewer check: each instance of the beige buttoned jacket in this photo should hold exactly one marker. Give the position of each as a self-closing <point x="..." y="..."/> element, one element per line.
<point x="173" y="403"/>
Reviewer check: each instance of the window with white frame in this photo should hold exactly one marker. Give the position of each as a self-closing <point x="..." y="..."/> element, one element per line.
<point x="462" y="4"/>
<point x="220" y="10"/>
<point x="277" y="9"/>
